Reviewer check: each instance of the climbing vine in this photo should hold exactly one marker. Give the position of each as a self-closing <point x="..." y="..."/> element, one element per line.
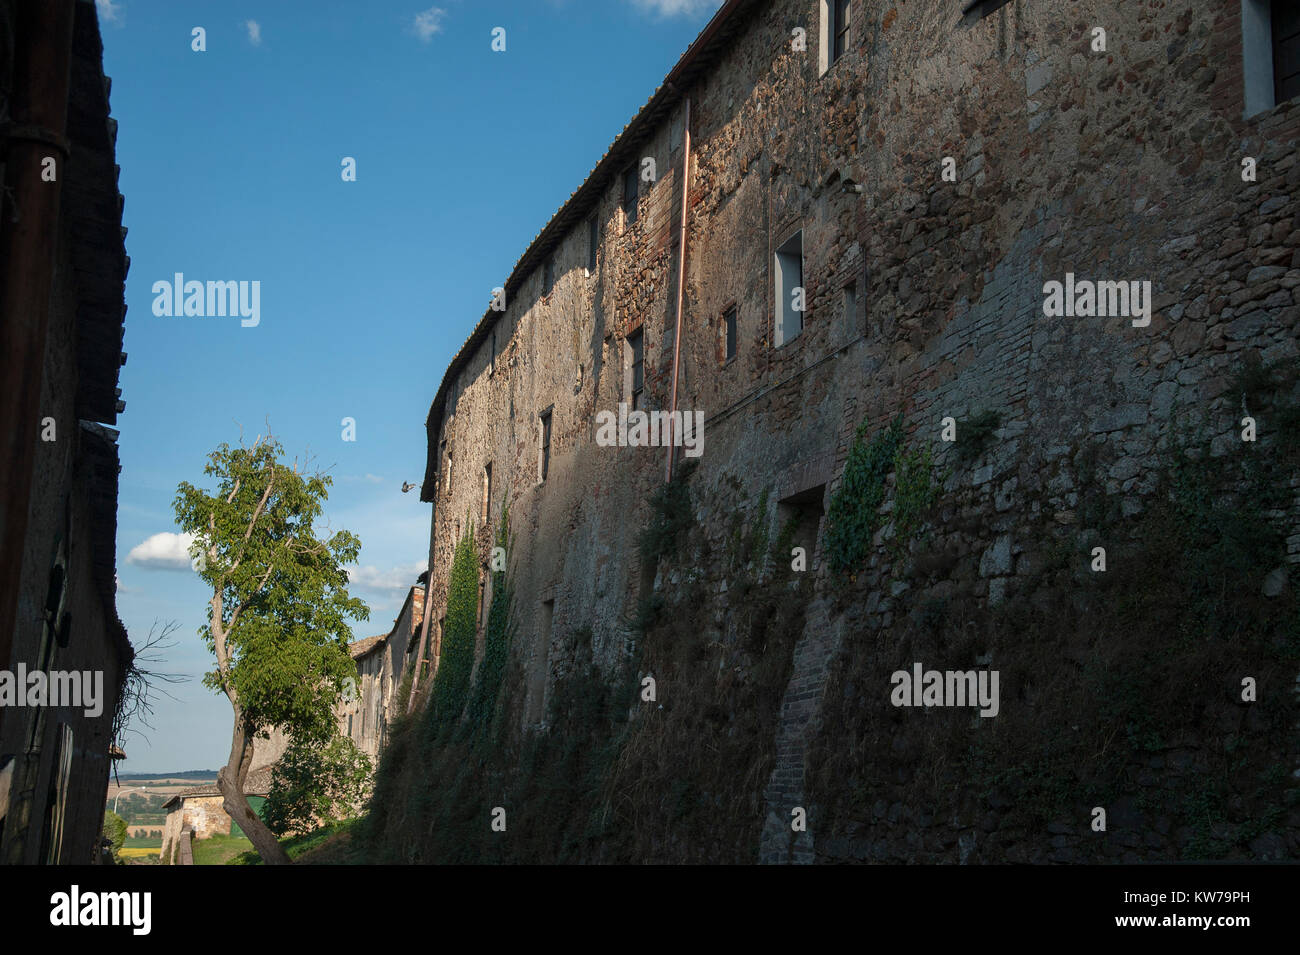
<point x="451" y="684"/>
<point x="496" y="641"/>
<point x="854" y="513"/>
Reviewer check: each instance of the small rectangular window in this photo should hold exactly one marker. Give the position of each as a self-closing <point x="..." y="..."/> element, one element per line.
<point x="978" y="9"/>
<point x="850" y="308"/>
<point x="548" y="621"/>
<point x="544" y="463"/>
<point x="839" y="29"/>
<point x="790" y="294"/>
<point x="593" y="243"/>
<point x="729" y="334"/>
<point x="1286" y="50"/>
<point x="630" y="186"/>
<point x="636" y="347"/>
<point x="487" y="492"/>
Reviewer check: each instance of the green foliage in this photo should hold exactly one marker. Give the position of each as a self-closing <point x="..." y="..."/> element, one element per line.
<point x="114" y="832"/>
<point x="854" y="515"/>
<point x="451" y="682"/>
<point x="497" y="636"/>
<point x="316" y="782"/>
<point x="1116" y="685"/>
<point x="975" y="434"/>
<point x="671" y="514"/>
<point x="278" y="620"/>
<point x="915" y="492"/>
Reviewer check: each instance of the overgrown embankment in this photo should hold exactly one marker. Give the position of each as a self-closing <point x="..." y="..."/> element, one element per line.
<point x="1159" y="689"/>
<point x="662" y="761"/>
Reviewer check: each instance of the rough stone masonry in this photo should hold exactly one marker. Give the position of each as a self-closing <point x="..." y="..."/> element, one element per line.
<point x="1124" y="161"/>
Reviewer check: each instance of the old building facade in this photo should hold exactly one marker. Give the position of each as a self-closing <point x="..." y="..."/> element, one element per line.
<point x="382" y="663"/>
<point x="921" y="171"/>
<point x="63" y="266"/>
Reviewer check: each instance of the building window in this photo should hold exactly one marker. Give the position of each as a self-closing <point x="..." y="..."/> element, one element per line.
<point x="548" y="620"/>
<point x="548" y="275"/>
<point x="979" y="9"/>
<point x="729" y="334"/>
<point x="482" y="599"/>
<point x="1270" y="53"/>
<point x="593" y="243"/>
<point x="544" y="455"/>
<point x="636" y="359"/>
<point x="839" y="28"/>
<point x="630" y="185"/>
<point x="487" y="492"/>
<point x="850" y="309"/>
<point x="447" y="474"/>
<point x="788" y="275"/>
<point x="1286" y="50"/>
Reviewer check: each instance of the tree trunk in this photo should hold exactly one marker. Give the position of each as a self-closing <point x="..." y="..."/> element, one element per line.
<point x="230" y="780"/>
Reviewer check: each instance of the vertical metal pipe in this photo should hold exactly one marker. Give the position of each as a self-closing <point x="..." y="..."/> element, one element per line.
<point x="681" y="282"/>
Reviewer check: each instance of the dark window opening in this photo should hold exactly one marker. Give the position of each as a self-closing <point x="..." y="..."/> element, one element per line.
<point x="636" y="343"/>
<point x="545" y="463"/>
<point x="630" y="185"/>
<point x="979" y="9"/>
<point x="805" y="510"/>
<point x="839" y="28"/>
<point x="729" y="333"/>
<point x="593" y="242"/>
<point x="487" y="492"/>
<point x="1286" y="50"/>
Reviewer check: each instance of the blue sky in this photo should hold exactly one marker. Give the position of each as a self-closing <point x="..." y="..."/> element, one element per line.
<point x="231" y="162"/>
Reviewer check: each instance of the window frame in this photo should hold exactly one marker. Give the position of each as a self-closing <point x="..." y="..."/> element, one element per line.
<point x="785" y="316"/>
<point x="841" y="23"/>
<point x="636" y="368"/>
<point x="730" y="334"/>
<point x="629" y="203"/>
<point x="544" y="445"/>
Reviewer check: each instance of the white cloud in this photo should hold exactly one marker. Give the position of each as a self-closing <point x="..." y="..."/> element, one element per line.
<point x="673" y="8"/>
<point x="254" y="32"/>
<point x="109" y="11"/>
<point x="397" y="579"/>
<point x="163" y="551"/>
<point x="428" y="23"/>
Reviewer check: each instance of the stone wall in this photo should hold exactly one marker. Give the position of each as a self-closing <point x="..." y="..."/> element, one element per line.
<point x="925" y="297"/>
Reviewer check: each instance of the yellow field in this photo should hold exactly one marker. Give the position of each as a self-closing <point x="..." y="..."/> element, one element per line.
<point x="138" y="852"/>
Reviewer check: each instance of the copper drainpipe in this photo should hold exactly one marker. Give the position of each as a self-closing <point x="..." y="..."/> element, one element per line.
<point x="36" y="129"/>
<point x="681" y="282"/>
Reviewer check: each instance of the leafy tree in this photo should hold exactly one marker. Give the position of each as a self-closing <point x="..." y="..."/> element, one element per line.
<point x="277" y="618"/>
<point x="114" y="832"/>
<point x="317" y="782"/>
<point x="451" y="682"/>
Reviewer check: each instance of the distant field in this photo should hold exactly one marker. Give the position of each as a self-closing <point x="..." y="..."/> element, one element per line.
<point x="139" y="852"/>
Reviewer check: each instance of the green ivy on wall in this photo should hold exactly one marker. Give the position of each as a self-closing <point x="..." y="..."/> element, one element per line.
<point x="854" y="516"/>
<point x="451" y="684"/>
